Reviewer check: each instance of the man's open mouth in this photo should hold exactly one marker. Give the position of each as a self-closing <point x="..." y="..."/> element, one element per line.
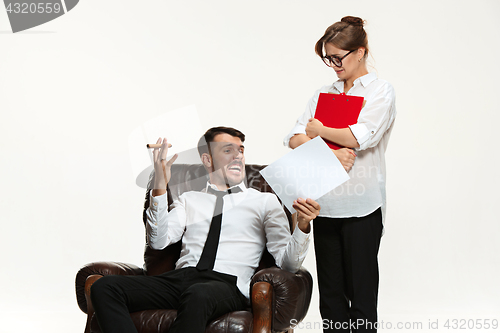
<point x="235" y="167"/>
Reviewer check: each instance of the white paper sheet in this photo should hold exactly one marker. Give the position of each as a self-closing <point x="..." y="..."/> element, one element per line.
<point x="309" y="171"/>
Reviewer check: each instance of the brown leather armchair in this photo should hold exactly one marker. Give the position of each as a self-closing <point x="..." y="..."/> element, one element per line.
<point x="277" y="296"/>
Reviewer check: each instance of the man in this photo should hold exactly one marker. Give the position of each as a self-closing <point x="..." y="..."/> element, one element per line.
<point x="221" y="246"/>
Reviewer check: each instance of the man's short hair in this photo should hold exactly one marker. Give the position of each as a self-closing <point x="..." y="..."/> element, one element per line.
<point x="208" y="137"/>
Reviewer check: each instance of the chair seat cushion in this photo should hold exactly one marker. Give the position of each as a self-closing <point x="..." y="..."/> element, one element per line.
<point x="159" y="321"/>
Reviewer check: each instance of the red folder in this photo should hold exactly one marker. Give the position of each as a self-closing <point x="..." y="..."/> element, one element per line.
<point x="338" y="111"/>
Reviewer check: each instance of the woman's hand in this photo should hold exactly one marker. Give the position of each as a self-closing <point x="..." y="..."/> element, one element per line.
<point x="162" y="167"/>
<point x="346" y="157"/>
<point x="314" y="128"/>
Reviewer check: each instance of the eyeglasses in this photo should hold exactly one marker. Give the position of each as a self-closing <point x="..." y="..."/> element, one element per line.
<point x="330" y="61"/>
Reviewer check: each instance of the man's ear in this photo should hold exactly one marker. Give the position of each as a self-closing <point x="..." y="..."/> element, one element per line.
<point x="207" y="161"/>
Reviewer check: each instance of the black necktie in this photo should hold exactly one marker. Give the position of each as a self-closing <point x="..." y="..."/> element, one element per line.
<point x="207" y="259"/>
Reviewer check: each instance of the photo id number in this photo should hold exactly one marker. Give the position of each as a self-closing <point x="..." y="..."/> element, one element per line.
<point x="471" y="324"/>
<point x="32" y="8"/>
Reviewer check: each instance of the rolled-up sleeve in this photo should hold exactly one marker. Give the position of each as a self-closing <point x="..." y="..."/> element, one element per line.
<point x="301" y="123"/>
<point x="289" y="251"/>
<point x="375" y="118"/>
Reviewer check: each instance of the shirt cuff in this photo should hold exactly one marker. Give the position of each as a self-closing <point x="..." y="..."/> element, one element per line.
<point x="157" y="203"/>
<point x="300" y="236"/>
<point x="362" y="135"/>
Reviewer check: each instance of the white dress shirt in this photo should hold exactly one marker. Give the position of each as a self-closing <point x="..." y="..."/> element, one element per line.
<point x="365" y="191"/>
<point x="251" y="220"/>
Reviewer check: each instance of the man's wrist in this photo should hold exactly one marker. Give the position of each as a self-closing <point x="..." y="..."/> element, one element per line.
<point x="305" y="227"/>
<point x="158" y="191"/>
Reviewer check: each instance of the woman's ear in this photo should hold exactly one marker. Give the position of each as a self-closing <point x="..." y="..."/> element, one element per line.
<point x="361" y="53"/>
<point x="207" y="161"/>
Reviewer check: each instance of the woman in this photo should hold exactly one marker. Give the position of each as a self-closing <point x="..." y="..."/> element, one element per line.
<point x="347" y="233"/>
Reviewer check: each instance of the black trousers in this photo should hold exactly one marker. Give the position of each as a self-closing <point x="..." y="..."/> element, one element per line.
<point x="347" y="267"/>
<point x="198" y="297"/>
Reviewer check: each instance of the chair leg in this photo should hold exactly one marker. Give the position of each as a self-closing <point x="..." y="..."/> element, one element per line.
<point x="90" y="309"/>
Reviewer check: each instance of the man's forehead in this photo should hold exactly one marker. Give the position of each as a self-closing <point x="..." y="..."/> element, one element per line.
<point x="222" y="144"/>
<point x="224" y="139"/>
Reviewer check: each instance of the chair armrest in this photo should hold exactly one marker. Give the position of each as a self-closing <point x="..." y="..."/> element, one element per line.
<point x="291" y="295"/>
<point x="262" y="307"/>
<point x="100" y="268"/>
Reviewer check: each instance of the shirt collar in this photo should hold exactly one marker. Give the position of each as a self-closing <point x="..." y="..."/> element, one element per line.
<point x="365" y="80"/>
<point x="240" y="185"/>
<point x="339" y="85"/>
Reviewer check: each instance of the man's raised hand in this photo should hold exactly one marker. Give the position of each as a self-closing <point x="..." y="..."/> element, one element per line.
<point x="162" y="167"/>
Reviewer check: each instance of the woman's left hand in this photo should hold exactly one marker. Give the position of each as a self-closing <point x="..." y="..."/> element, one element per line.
<point x="314" y="128"/>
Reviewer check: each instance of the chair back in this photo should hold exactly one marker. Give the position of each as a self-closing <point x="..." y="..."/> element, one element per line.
<point x="194" y="177"/>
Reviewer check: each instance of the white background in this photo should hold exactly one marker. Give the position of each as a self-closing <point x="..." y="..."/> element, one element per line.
<point x="74" y="89"/>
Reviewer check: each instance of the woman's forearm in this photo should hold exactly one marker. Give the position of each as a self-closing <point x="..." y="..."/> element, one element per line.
<point x="297" y="140"/>
<point x="341" y="136"/>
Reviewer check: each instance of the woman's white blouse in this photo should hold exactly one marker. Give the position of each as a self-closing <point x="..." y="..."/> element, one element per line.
<point x="365" y="191"/>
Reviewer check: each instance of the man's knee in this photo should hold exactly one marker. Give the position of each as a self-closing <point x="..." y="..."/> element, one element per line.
<point x="102" y="287"/>
<point x="211" y="299"/>
<point x="197" y="294"/>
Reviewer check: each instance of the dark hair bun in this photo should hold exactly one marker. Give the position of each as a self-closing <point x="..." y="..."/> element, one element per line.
<point x="352" y="20"/>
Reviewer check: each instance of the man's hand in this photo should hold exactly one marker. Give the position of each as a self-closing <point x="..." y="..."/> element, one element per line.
<point x="314" y="128"/>
<point x="346" y="157"/>
<point x="307" y="210"/>
<point x="162" y="167"/>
